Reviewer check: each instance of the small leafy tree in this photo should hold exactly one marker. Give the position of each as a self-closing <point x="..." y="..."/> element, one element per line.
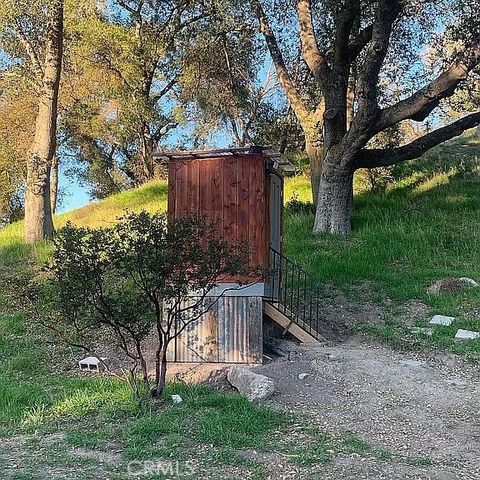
<point x="140" y="275"/>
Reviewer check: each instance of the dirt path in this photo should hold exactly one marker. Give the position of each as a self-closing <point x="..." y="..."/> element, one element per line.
<point x="424" y="409"/>
<point x="419" y="415"/>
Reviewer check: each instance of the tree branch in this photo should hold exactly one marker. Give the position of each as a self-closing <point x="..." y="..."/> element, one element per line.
<point x="360" y="42"/>
<point x="344" y="24"/>
<point x="31" y="53"/>
<point x="133" y="11"/>
<point x="314" y="59"/>
<point x="168" y="86"/>
<point x="284" y="78"/>
<point x="387" y="12"/>
<point x="118" y="73"/>
<point x="419" y="105"/>
<point x="385" y="157"/>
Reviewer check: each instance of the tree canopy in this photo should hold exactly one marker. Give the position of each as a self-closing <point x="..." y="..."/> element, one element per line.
<point x="353" y="84"/>
<point x="366" y="67"/>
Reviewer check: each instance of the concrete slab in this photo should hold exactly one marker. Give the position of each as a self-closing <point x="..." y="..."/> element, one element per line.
<point x="441" y="320"/>
<point x="466" y="335"/>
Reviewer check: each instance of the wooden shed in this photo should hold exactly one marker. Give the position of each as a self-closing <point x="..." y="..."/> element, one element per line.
<point x="242" y="189"/>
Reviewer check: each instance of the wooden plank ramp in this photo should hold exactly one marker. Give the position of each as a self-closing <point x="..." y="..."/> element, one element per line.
<point x="295" y="326"/>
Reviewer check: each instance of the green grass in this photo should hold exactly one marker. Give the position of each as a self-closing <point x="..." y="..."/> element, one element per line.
<point x="206" y="417"/>
<point x="29" y="390"/>
<point x="401" y="240"/>
<point x="151" y="197"/>
<point x="423" y="228"/>
<point x="163" y="433"/>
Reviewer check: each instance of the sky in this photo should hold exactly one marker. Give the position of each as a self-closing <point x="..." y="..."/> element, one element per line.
<point x="73" y="194"/>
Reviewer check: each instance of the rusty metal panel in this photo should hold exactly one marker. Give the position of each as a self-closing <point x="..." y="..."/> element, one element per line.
<point x="230" y="332"/>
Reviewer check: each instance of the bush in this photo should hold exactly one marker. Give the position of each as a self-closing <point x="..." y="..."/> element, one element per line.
<point x="134" y="277"/>
<point x="297" y="206"/>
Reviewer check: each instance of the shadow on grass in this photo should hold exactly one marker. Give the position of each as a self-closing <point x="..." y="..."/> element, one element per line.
<point x="401" y="240"/>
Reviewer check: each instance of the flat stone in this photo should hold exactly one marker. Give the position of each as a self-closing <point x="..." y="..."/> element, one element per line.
<point x="422" y="331"/>
<point x="303" y="376"/>
<point x="412" y="363"/>
<point x="466" y="335"/>
<point x="254" y="386"/>
<point x="469" y="281"/>
<point x="457" y="382"/>
<point x="441" y="320"/>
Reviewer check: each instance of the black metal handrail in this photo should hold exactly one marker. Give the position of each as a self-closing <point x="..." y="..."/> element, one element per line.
<point x="294" y="292"/>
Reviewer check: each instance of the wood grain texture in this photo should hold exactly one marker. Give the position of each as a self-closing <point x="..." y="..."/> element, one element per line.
<point x="232" y="191"/>
<point x="278" y="317"/>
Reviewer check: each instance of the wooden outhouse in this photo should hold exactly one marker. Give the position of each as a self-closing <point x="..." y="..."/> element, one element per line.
<point x="241" y="189"/>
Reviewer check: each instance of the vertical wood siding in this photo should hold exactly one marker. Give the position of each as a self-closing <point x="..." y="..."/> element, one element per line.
<point x="232" y="190"/>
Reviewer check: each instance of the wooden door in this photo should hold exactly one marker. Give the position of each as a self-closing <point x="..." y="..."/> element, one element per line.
<point x="276" y="210"/>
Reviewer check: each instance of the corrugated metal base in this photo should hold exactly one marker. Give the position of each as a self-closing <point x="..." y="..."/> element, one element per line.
<point x="230" y="332"/>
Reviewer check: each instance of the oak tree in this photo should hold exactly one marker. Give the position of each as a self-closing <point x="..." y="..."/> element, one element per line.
<point x="365" y="74"/>
<point x="32" y="32"/>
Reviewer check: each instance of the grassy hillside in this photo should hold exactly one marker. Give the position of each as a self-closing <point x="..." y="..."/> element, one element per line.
<point x="402" y="240"/>
<point x="151" y="197"/>
<point x="424" y="227"/>
<point x="421" y="228"/>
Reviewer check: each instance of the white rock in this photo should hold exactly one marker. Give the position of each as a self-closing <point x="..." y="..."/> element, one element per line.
<point x="177" y="399"/>
<point x="441" y="320"/>
<point x="253" y="385"/>
<point x="303" y="375"/>
<point x="422" y="331"/>
<point x="412" y="363"/>
<point x="469" y="281"/>
<point x="466" y="335"/>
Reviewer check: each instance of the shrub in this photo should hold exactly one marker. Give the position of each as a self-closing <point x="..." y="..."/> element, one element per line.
<point x="134" y="277"/>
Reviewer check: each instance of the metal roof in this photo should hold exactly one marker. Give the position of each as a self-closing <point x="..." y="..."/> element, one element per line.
<point x="283" y="163"/>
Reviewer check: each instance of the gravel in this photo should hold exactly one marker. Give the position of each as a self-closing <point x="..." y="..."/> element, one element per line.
<point x="414" y="405"/>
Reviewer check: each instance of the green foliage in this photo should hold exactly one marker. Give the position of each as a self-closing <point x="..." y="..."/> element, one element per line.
<point x="229" y="90"/>
<point x="121" y="281"/>
<point x="296" y="206"/>
<point x="206" y="416"/>
<point x="421" y="229"/>
<point x="33" y="391"/>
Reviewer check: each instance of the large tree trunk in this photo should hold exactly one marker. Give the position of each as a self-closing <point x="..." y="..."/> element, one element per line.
<point x="38" y="211"/>
<point x="148" y="168"/>
<point x="335" y="200"/>
<point x="315" y="154"/>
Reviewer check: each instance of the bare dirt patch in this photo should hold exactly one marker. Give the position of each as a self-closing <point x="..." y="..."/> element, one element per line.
<point x="423" y="408"/>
